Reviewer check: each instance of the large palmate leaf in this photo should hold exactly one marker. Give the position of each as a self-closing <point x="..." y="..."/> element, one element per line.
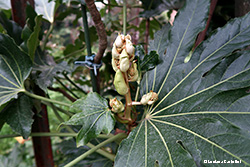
<point x="202" y="113"/>
<point x="19" y="115"/>
<point x="15" y="67"/>
<point x="93" y="115"/>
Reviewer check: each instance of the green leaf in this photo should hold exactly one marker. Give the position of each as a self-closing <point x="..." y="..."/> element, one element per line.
<point x="150" y="61"/>
<point x="18" y="114"/>
<point x="93" y="115"/>
<point x="45" y="8"/>
<point x="15" y="67"/>
<point x="47" y="69"/>
<point x="156" y="7"/>
<point x="70" y="152"/>
<point x="12" y="28"/>
<point x="203" y="108"/>
<point x="33" y="40"/>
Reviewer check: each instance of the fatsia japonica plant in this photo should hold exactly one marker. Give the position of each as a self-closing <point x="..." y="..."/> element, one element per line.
<point x="190" y="106"/>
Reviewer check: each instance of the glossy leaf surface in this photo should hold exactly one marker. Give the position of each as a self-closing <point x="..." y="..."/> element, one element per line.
<point x="15" y="67"/>
<point x="93" y="115"/>
<point x="202" y="112"/>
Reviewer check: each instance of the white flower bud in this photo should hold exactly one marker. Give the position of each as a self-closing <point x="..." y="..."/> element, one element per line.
<point x="124" y="61"/>
<point x="128" y="37"/>
<point x="115" y="53"/>
<point x="149" y="98"/>
<point x="119" y="41"/>
<point x="115" y="68"/>
<point x="117" y="106"/>
<point x="130" y="49"/>
<point x="145" y="98"/>
<point x="124" y="64"/>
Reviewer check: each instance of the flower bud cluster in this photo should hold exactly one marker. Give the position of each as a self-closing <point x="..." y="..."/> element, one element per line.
<point x="117" y="106"/>
<point x="149" y="98"/>
<point x="123" y="56"/>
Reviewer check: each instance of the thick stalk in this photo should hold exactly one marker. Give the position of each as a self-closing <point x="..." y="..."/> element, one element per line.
<point x="128" y="106"/>
<point x="46" y="99"/>
<point x="92" y="150"/>
<point x="124" y="17"/>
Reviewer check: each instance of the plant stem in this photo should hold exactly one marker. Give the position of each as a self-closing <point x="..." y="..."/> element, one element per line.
<point x="59" y="109"/>
<point x="128" y="107"/>
<point x="58" y="116"/>
<point x="58" y="80"/>
<point x="92" y="150"/>
<point x="72" y="99"/>
<point x="124" y="17"/>
<point x="46" y="99"/>
<point x="54" y="134"/>
<point x="47" y="36"/>
<point x="137" y="90"/>
<point x="102" y="152"/>
<point x="66" y="77"/>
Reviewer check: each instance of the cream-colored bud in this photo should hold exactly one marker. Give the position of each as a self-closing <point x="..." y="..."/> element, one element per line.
<point x="133" y="73"/>
<point x="115" y="68"/>
<point x="117" y="106"/>
<point x="124" y="64"/>
<point x="145" y="98"/>
<point x="124" y="54"/>
<point x="120" y="84"/>
<point x="119" y="41"/>
<point x="128" y="37"/>
<point x="130" y="49"/>
<point x="124" y="61"/>
<point x="115" y="53"/>
<point x="149" y="98"/>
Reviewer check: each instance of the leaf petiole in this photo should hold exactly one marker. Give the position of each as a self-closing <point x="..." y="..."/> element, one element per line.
<point x="93" y="149"/>
<point x="45" y="99"/>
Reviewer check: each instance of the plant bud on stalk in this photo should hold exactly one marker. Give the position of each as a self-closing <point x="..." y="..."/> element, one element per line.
<point x="115" y="53"/>
<point x="120" y="84"/>
<point x="149" y="98"/>
<point x="124" y="61"/>
<point x="117" y="106"/>
<point x="119" y="41"/>
<point x="130" y="49"/>
<point x="133" y="73"/>
<point x="115" y="68"/>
